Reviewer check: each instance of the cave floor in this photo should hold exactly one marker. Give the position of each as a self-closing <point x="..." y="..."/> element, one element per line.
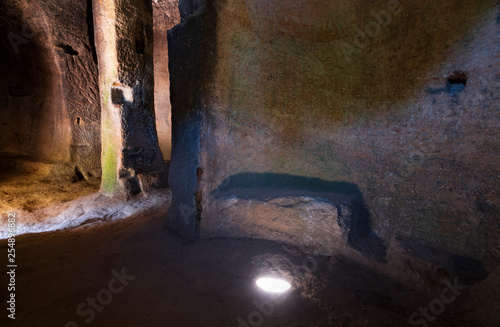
<point x="170" y="281"/>
<point x="28" y="185"/>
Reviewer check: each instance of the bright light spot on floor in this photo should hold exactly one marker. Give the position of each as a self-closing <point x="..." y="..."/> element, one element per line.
<point x="273" y="285"/>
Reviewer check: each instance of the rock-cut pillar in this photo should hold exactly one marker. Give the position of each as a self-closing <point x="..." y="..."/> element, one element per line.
<point x="131" y="158"/>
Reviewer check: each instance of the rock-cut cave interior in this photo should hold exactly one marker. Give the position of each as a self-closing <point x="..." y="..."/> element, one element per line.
<point x="244" y="163"/>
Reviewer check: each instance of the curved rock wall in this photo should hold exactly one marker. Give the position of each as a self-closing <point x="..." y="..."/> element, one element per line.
<point x="50" y="105"/>
<point x="398" y="98"/>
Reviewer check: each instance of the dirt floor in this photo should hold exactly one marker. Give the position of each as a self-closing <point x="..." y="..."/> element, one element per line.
<point x="145" y="276"/>
<point x="27" y="185"/>
<point x="87" y="260"/>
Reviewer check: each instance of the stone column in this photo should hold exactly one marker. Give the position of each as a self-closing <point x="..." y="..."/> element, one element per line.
<point x="166" y="15"/>
<point x="131" y="158"/>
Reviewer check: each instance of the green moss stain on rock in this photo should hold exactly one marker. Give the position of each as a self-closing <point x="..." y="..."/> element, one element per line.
<point x="111" y="140"/>
<point x="109" y="184"/>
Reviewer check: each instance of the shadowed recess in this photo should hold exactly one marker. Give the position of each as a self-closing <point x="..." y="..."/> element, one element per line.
<point x="267" y="186"/>
<point x="469" y="269"/>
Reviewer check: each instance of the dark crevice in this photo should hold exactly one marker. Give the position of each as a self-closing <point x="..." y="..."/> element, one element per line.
<point x="18" y="91"/>
<point x="498" y="14"/>
<point x="456" y="82"/>
<point x="68" y="49"/>
<point x="133" y="186"/>
<point x="199" y="194"/>
<point x="78" y="175"/>
<point x="140" y="40"/>
<point x="90" y="30"/>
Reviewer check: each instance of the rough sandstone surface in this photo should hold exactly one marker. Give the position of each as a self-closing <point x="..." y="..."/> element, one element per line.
<point x="165" y="16"/>
<point x="397" y="100"/>
<point x="131" y="157"/>
<point x="49" y="113"/>
<point x="48" y="85"/>
<point x="312" y="223"/>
